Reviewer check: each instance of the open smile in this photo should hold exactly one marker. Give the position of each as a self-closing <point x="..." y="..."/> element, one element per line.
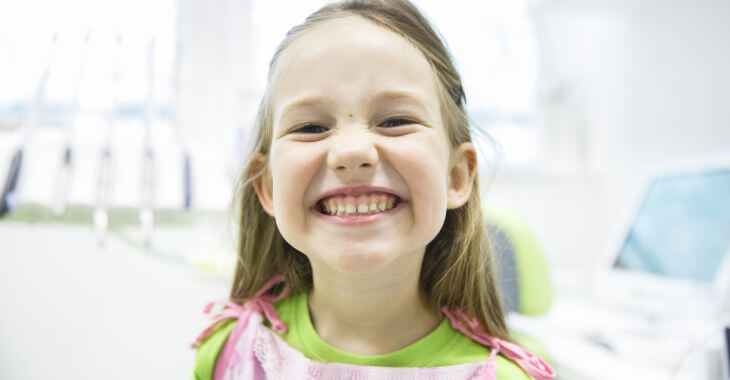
<point x="357" y="206"/>
<point x="358" y="218"/>
<point x="364" y="204"/>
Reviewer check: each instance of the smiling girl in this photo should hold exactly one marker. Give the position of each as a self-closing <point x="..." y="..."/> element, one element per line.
<point x="362" y="250"/>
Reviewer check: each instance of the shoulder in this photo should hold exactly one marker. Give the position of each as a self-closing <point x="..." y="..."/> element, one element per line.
<point x="509" y="370"/>
<point x="506" y="368"/>
<point x="207" y="352"/>
<point x="462" y="349"/>
<point x="466" y="350"/>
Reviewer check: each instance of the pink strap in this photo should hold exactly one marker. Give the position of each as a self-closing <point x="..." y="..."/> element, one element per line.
<point x="228" y="355"/>
<point x="261" y="303"/>
<point x="533" y="365"/>
<point x="231" y="311"/>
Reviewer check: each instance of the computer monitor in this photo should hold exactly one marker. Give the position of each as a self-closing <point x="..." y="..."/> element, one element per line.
<point x="672" y="248"/>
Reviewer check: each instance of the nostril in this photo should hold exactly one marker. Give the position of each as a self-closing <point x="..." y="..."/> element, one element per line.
<point x="365" y="165"/>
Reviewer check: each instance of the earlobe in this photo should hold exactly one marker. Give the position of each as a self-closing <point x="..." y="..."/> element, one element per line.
<point x="461" y="176"/>
<point x="261" y="182"/>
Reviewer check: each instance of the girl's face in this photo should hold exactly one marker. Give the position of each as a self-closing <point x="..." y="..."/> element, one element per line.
<point x="360" y="176"/>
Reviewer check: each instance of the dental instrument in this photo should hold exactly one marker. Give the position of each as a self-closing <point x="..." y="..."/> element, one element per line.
<point x="146" y="209"/>
<point x="9" y="193"/>
<point x="182" y="140"/>
<point x="106" y="164"/>
<point x="65" y="172"/>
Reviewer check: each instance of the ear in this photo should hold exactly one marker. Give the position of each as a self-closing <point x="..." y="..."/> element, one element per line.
<point x="262" y="183"/>
<point x="461" y="175"/>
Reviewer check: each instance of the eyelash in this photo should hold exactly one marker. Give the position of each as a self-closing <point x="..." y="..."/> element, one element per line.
<point x="307" y="128"/>
<point x="310" y="126"/>
<point x="401" y="121"/>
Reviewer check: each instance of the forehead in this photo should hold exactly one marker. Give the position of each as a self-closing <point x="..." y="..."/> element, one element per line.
<point x="351" y="59"/>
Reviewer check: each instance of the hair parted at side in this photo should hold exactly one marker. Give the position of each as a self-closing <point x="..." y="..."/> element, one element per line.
<point x="458" y="266"/>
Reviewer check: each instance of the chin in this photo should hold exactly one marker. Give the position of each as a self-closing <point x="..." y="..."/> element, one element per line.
<point x="362" y="263"/>
<point x="355" y="260"/>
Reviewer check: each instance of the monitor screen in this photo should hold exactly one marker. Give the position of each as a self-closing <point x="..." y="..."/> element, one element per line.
<point x="682" y="228"/>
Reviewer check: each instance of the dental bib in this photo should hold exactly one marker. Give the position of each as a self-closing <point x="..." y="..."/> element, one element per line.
<point x="253" y="351"/>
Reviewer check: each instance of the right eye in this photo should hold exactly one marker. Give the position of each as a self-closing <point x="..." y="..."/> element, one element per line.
<point x="310" y="129"/>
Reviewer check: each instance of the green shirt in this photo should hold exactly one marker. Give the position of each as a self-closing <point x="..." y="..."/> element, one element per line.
<point x="441" y="347"/>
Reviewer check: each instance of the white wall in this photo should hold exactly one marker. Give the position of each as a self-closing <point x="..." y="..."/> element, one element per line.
<point x="647" y="80"/>
<point x="626" y="85"/>
<point x="214" y="85"/>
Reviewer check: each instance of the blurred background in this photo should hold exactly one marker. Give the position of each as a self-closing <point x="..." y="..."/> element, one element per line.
<point x="123" y="126"/>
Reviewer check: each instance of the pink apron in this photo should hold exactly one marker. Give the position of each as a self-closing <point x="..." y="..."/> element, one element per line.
<point x="255" y="352"/>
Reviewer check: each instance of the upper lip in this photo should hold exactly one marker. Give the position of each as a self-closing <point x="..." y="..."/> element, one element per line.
<point x="357" y="190"/>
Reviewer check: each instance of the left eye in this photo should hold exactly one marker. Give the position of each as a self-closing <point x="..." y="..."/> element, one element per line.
<point x="395" y="122"/>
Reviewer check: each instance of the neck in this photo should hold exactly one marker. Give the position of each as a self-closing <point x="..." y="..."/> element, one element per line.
<point x="371" y="313"/>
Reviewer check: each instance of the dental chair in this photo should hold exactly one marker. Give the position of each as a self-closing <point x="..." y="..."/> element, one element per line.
<point x="522" y="271"/>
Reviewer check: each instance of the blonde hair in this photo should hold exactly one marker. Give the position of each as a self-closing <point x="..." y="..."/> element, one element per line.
<point x="458" y="268"/>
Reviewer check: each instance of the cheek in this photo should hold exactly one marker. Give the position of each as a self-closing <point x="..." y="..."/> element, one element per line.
<point x="292" y="168"/>
<point x="422" y="161"/>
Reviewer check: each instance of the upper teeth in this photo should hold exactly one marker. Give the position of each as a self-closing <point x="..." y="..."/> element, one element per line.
<point x="362" y="204"/>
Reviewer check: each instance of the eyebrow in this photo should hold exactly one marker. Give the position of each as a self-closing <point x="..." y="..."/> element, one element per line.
<point x="384" y="96"/>
<point x="401" y="95"/>
<point x="306" y="102"/>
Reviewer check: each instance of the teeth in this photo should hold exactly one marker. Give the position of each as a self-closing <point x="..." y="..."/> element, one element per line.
<point x="350" y="205"/>
<point x="340" y="207"/>
<point x="361" y="205"/>
<point x="381" y="203"/>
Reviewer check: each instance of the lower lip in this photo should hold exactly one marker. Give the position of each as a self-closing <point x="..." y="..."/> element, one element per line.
<point x="359" y="219"/>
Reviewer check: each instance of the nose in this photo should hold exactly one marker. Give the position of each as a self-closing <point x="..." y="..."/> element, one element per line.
<point x="352" y="156"/>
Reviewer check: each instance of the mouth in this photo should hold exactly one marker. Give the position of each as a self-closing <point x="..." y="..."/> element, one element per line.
<point x="356" y="205"/>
